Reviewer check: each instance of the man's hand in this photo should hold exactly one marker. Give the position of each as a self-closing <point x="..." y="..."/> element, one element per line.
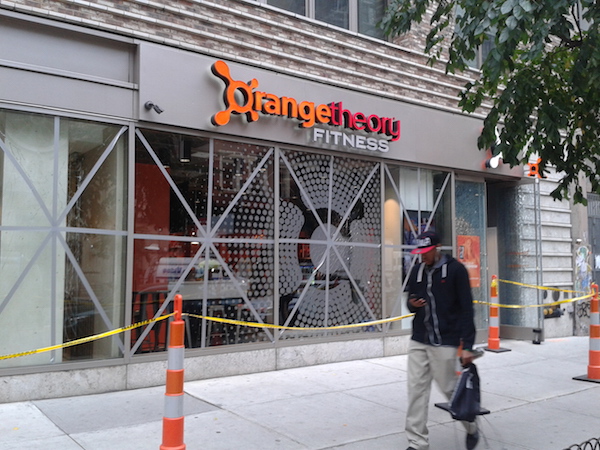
<point x="417" y="302"/>
<point x="467" y="357"/>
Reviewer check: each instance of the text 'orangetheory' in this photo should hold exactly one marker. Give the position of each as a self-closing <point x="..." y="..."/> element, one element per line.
<point x="254" y="101"/>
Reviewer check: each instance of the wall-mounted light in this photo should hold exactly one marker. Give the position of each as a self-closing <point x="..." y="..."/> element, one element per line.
<point x="493" y="162"/>
<point x="151" y="105"/>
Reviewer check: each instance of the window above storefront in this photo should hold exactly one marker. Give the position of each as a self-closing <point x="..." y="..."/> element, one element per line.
<point x="483" y="50"/>
<point x="362" y="16"/>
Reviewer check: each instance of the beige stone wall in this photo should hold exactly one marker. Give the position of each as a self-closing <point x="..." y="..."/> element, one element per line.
<point x="256" y="34"/>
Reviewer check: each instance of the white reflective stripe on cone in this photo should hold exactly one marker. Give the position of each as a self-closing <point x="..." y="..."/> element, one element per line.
<point x="175" y="358"/>
<point x="173" y="406"/>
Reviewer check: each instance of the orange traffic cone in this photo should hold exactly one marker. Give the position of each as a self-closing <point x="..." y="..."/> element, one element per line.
<point x="173" y="415"/>
<point x="494" y="329"/>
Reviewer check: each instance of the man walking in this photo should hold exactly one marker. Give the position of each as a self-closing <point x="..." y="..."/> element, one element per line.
<point x="440" y="296"/>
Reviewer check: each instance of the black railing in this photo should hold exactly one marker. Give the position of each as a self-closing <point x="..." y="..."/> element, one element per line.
<point x="592" y="444"/>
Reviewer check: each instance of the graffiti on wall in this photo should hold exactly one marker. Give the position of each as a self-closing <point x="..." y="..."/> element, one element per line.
<point x="583" y="276"/>
<point x="583" y="282"/>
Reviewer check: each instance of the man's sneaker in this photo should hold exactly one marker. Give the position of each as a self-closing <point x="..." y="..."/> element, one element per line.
<point x="472" y="440"/>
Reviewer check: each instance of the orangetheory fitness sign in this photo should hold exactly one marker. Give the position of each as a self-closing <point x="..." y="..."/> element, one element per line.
<point x="309" y="114"/>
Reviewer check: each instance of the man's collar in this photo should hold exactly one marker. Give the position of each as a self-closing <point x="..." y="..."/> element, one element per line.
<point x="440" y="262"/>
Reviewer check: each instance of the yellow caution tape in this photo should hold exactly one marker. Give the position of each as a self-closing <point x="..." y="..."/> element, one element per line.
<point x="281" y="327"/>
<point x="559" y="302"/>
<point x="544" y="288"/>
<point x="85" y="339"/>
<point x="214" y="319"/>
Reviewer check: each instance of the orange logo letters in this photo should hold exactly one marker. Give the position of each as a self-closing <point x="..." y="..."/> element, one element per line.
<point x="255" y="101"/>
<point x="534" y="169"/>
<point x="221" y="70"/>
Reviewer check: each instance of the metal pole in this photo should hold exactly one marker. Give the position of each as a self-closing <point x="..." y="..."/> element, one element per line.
<point x="538" y="251"/>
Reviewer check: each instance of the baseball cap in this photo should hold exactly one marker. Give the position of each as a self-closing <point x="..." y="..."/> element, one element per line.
<point x="425" y="242"/>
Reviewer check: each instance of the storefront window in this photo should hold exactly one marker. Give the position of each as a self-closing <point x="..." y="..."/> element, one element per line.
<point x="242" y="231"/>
<point x="470" y="239"/>
<point x="62" y="239"/>
<point x="204" y="229"/>
<point x="416" y="200"/>
<point x="329" y="255"/>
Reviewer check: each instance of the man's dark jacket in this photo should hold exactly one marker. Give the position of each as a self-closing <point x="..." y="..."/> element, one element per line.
<point x="447" y="318"/>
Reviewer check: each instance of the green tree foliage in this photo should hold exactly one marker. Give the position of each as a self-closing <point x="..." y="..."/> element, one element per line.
<point x="542" y="76"/>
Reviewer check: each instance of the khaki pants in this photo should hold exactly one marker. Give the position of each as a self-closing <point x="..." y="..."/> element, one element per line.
<point x="425" y="364"/>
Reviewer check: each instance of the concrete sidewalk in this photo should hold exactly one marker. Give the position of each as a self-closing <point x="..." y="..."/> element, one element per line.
<point x="530" y="391"/>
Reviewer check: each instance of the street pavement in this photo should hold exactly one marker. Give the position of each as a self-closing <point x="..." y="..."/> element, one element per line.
<point x="534" y="403"/>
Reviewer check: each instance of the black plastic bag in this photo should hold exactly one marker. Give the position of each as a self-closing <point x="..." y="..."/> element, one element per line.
<point x="465" y="403"/>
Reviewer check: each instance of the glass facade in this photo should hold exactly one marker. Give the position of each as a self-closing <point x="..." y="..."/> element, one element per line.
<point x="62" y="236"/>
<point x="415" y="200"/>
<point x="471" y="239"/>
<point x="247" y="232"/>
<point x="330" y="228"/>
<point x="204" y="228"/>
